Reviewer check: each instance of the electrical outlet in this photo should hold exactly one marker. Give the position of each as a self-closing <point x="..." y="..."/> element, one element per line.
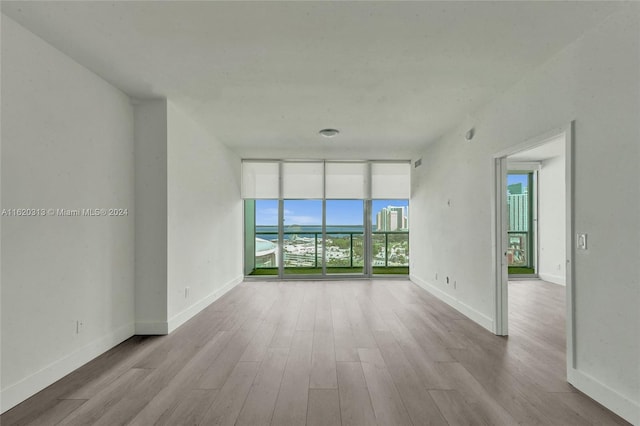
<point x="187" y="290"/>
<point x="79" y="326"/>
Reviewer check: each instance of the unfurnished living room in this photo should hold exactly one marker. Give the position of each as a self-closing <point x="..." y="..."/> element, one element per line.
<point x="320" y="213"/>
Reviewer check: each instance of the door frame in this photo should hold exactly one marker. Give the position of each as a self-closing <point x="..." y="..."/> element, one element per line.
<point x="499" y="232"/>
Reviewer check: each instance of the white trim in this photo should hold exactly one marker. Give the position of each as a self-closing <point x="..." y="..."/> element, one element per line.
<point x="524" y="277"/>
<point x="524" y="166"/>
<point x="184" y="316"/>
<point x="159" y="328"/>
<point x="619" y="404"/>
<point x="499" y="245"/>
<point x="535" y="141"/>
<point x="14" y="394"/>
<point x="536" y="220"/>
<point x="555" y="279"/>
<point x="499" y="205"/>
<point x="570" y="247"/>
<point x="474" y="315"/>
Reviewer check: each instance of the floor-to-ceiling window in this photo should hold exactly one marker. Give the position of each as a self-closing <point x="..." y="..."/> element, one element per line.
<point x="302" y="237"/>
<point x="390" y="236"/>
<point x="390" y="189"/>
<point x="521" y="229"/>
<point x="326" y="218"/>
<point x="344" y="237"/>
<point x="266" y="253"/>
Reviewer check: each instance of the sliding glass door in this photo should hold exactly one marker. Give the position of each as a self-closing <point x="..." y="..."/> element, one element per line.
<point x="521" y="229"/>
<point x="265" y="236"/>
<point x="302" y="237"/>
<point x="344" y="237"/>
<point x="390" y="236"/>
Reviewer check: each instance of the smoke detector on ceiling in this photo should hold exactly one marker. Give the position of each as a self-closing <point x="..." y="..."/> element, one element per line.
<point x="329" y="133"/>
<point x="470" y="134"/>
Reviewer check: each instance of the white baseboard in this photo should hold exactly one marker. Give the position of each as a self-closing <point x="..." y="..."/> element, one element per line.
<point x="184" y="316"/>
<point x="14" y="394"/>
<point x="555" y="279"/>
<point x="619" y="404"/>
<point x="159" y="328"/>
<point x="461" y="307"/>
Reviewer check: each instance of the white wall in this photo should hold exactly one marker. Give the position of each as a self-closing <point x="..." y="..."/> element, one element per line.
<point x="594" y="81"/>
<point x="67" y="142"/>
<point x="204" y="218"/>
<point x="552" y="220"/>
<point x="72" y="141"/>
<point x="188" y="218"/>
<point x="151" y="216"/>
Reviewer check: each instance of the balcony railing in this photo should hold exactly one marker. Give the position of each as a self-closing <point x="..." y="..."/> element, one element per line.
<point x="518" y="251"/>
<point x="342" y="249"/>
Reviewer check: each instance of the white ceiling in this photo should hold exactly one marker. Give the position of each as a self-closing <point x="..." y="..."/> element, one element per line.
<point x="551" y="149"/>
<point x="264" y="77"/>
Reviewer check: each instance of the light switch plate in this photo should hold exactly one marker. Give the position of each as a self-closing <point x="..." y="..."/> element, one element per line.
<point x="581" y="241"/>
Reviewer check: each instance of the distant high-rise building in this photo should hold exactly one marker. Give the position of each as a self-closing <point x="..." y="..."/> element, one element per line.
<point x="392" y="218"/>
<point x="515" y="189"/>
<point x="518" y="209"/>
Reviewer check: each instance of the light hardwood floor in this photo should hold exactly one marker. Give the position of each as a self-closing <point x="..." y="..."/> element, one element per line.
<point x="330" y="353"/>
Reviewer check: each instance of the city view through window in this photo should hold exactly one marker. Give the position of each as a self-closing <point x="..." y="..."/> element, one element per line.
<point x="520" y="225"/>
<point x="324" y="217"/>
<point x="342" y="244"/>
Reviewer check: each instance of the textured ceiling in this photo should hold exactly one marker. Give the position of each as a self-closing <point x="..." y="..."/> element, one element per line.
<point x="264" y="77"/>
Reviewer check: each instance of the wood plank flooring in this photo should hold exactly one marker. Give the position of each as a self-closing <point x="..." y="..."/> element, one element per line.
<point x="331" y="353"/>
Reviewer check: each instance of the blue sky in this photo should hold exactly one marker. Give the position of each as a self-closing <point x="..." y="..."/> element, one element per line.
<point x="523" y="179"/>
<point x="309" y="212"/>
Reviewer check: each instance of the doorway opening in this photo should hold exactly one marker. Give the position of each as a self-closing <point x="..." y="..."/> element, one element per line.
<point x="533" y="226"/>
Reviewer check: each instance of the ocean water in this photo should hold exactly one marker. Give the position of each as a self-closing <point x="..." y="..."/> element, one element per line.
<point x="270" y="233"/>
